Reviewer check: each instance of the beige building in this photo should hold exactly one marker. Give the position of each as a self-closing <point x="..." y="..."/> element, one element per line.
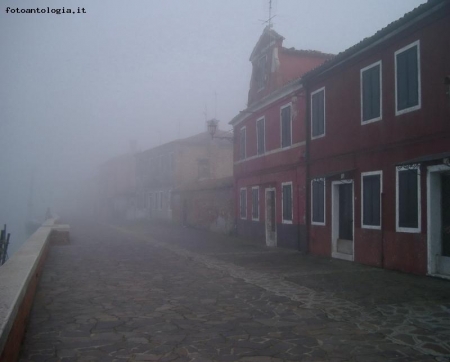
<point x="174" y="165"/>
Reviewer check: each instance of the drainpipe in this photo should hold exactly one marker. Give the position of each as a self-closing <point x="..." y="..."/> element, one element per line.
<point x="307" y="168"/>
<point x="382" y="229"/>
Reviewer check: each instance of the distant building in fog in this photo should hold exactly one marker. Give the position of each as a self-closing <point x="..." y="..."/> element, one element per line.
<point x="164" y="172"/>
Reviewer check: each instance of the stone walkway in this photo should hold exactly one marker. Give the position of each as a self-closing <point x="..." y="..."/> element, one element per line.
<point x="168" y="294"/>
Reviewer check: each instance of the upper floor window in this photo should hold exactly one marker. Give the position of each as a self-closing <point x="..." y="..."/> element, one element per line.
<point x="408" y="198"/>
<point x="287" y="202"/>
<point x="318" y="201"/>
<point x="260" y="73"/>
<point x="371" y="93"/>
<point x="261" y="136"/>
<point x="242" y="144"/>
<point x="371" y="188"/>
<point x="407" y="78"/>
<point x="286" y="126"/>
<point x="318" y="113"/>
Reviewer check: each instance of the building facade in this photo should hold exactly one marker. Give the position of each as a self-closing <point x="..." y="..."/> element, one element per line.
<point x="269" y="145"/>
<point x="379" y="146"/>
<point x="174" y="165"/>
<point x="206" y="204"/>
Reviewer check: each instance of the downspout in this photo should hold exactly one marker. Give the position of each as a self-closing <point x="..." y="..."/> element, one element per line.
<point x="307" y="169"/>
<point x="300" y="161"/>
<point x="382" y="228"/>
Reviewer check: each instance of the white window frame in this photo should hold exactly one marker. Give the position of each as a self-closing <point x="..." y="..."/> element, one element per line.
<point x="256" y="218"/>
<point x="379" y="63"/>
<point x="263" y="120"/>
<point x="419" y="206"/>
<point x="240" y="203"/>
<point x="419" y="91"/>
<point x="371" y="173"/>
<point x="324" y="113"/>
<point x="245" y="143"/>
<point x="282" y="202"/>
<point x="324" y="202"/>
<point x="281" y="125"/>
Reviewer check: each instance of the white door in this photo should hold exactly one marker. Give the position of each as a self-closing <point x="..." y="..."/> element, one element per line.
<point x="439" y="220"/>
<point x="271" y="221"/>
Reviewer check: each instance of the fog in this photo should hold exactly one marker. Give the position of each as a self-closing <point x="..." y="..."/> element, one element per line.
<point x="75" y="89"/>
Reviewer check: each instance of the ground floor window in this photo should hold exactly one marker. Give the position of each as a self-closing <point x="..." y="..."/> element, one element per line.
<point x="371" y="199"/>
<point x="287" y="202"/>
<point x="408" y="198"/>
<point x="243" y="203"/>
<point x="318" y="201"/>
<point x="255" y="203"/>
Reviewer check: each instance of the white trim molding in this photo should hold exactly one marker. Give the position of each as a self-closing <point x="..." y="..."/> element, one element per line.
<point x="279" y="94"/>
<point x="277" y="150"/>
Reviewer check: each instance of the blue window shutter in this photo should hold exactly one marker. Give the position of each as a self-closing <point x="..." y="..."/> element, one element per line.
<point x="376" y="92"/>
<point x="402" y="81"/>
<point x="321" y="113"/>
<point x="412" y="74"/>
<point x="366" y="99"/>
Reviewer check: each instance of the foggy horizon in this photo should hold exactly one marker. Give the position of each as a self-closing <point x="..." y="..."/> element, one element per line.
<point x="76" y="89"/>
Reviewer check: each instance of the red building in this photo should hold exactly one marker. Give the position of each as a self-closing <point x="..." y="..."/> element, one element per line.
<point x="269" y="145"/>
<point x="379" y="147"/>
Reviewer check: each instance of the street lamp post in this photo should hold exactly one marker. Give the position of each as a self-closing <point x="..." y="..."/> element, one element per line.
<point x="212" y="125"/>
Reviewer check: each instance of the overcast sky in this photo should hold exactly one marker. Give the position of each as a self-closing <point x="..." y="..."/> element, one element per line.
<point x="76" y="88"/>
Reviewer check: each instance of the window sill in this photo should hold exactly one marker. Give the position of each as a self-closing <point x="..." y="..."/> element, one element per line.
<point x="407" y="230"/>
<point x="407" y="110"/>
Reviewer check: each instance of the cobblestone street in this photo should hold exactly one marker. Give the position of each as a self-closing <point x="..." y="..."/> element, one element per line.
<point x="154" y="293"/>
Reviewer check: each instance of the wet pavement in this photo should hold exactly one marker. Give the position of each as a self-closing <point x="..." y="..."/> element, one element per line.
<point x="159" y="293"/>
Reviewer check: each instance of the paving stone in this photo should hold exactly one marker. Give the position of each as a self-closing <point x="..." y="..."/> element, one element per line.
<point x="151" y="291"/>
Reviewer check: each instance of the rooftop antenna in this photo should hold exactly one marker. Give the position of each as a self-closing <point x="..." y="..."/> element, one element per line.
<point x="269" y="20"/>
<point x="270" y="14"/>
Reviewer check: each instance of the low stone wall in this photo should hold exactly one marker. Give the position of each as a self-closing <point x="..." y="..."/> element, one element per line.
<point x="19" y="277"/>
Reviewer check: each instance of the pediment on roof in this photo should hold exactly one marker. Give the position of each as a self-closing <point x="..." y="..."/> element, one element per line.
<point x="266" y="40"/>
